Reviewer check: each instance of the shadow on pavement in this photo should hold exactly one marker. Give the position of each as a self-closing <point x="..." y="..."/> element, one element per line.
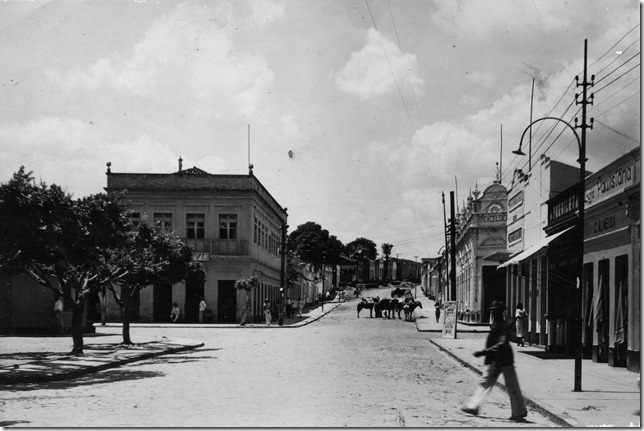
<point x="32" y="356"/>
<point x="106" y="376"/>
<point x="10" y="423"/>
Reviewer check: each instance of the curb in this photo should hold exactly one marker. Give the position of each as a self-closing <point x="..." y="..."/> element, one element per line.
<point x="39" y="377"/>
<point x="304" y="322"/>
<point x="533" y="405"/>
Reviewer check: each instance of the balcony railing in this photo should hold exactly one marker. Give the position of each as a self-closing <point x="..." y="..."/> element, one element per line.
<point x="218" y="246"/>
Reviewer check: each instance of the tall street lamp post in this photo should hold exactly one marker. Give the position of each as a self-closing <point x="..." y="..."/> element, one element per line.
<point x="581" y="143"/>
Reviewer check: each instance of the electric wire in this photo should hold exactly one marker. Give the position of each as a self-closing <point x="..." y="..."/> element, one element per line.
<point x="511" y="165"/>
<point x="390" y="66"/>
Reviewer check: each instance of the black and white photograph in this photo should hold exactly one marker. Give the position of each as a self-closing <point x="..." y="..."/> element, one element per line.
<point x="320" y="213"/>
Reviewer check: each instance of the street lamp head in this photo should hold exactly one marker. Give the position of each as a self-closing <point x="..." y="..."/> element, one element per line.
<point x="518" y="152"/>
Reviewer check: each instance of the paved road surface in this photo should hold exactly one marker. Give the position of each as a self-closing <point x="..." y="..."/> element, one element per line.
<point x="339" y="371"/>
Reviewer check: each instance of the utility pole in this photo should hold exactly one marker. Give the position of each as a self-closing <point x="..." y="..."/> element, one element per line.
<point x="452" y="252"/>
<point x="446" y="248"/>
<point x="282" y="305"/>
<point x="577" y="318"/>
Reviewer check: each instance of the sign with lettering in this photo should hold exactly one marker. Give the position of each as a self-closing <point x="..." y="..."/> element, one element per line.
<point x="201" y="257"/>
<point x="603" y="224"/>
<point x="449" y="321"/>
<point x="494" y="217"/>
<point x="610" y="184"/>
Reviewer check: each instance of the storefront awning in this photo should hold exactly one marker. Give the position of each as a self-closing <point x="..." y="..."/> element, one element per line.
<point x="533" y="249"/>
<point x="499" y="256"/>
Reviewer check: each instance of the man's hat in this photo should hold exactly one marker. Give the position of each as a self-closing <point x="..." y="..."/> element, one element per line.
<point x="497" y="305"/>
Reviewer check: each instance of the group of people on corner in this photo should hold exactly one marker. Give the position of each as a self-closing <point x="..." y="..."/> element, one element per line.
<point x="176" y="312"/>
<point x="271" y="310"/>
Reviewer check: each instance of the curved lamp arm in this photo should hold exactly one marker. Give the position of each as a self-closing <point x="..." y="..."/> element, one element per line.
<point x="521" y="153"/>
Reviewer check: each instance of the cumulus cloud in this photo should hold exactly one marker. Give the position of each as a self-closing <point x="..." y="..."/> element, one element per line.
<point x="87" y="149"/>
<point x="464" y="17"/>
<point x="266" y="12"/>
<point x="189" y="51"/>
<point x="482" y="78"/>
<point x="377" y="68"/>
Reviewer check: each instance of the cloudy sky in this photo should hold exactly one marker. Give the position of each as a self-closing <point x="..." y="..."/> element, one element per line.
<point x="361" y="112"/>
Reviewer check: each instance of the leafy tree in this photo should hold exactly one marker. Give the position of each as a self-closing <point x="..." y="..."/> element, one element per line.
<point x="150" y="256"/>
<point x="386" y="252"/>
<point x="362" y="247"/>
<point x="311" y="243"/>
<point x="50" y="236"/>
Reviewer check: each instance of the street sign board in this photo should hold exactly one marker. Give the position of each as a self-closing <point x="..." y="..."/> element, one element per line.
<point x="449" y="321"/>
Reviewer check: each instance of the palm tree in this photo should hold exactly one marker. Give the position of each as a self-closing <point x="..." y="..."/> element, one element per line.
<point x="386" y="252"/>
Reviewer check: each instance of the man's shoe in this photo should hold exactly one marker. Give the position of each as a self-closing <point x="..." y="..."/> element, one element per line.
<point x="518" y="418"/>
<point x="469" y="411"/>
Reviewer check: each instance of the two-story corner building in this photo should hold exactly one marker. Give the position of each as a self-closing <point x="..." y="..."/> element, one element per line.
<point x="481" y="232"/>
<point x="528" y="194"/>
<point x="231" y="222"/>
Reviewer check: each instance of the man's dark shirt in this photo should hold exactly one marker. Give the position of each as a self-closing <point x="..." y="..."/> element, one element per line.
<point x="497" y="347"/>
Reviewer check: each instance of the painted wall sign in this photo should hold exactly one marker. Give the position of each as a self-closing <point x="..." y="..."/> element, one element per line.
<point x="610" y="184"/>
<point x="201" y="257"/>
<point x="595" y="226"/>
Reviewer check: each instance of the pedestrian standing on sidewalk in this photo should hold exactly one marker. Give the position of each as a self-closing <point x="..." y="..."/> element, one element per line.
<point x="300" y="306"/>
<point x="202" y="309"/>
<point x="275" y="311"/>
<point x="58" y="312"/>
<point x="289" y="307"/>
<point x="437" y="305"/>
<point x="498" y="355"/>
<point x="521" y="320"/>
<point x="267" y="312"/>
<point x="174" y="314"/>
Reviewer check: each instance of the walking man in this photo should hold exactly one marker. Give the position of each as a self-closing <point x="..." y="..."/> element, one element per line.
<point x="202" y="309"/>
<point x="499" y="357"/>
<point x="267" y="312"/>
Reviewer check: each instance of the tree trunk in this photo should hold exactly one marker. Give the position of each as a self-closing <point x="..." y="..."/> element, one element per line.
<point x="77" y="326"/>
<point x="125" y="314"/>
<point x="246" y="307"/>
<point x="102" y="298"/>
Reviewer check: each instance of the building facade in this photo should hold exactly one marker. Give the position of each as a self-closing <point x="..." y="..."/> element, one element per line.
<point x="481" y="232"/>
<point x="234" y="227"/>
<point x="612" y="296"/>
<point x="525" y="260"/>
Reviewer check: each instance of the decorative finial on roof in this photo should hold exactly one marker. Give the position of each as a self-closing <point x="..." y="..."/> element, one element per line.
<point x="476" y="191"/>
<point x="250" y="169"/>
<point x="109" y="171"/>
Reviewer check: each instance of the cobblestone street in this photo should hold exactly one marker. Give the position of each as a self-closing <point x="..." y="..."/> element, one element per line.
<point x="338" y="371"/>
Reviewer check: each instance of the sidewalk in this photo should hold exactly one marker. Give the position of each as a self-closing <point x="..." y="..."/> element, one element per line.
<point x="309" y="315"/>
<point x="610" y="396"/>
<point x="48" y="360"/>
